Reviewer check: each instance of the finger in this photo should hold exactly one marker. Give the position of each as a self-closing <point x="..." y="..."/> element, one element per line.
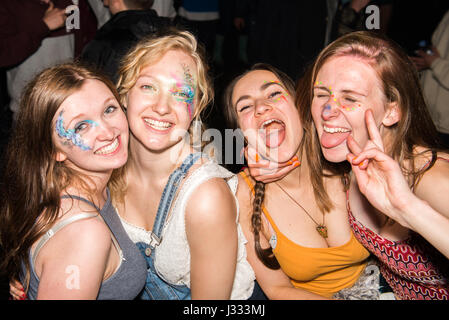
<point x="373" y="131"/>
<point x="370" y="155"/>
<point x="15" y="293"/>
<point x="353" y="146"/>
<point x="278" y="174"/>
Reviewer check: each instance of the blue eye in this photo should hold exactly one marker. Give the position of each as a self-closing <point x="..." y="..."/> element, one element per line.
<point x="110" y="109"/>
<point x="80" y="126"/>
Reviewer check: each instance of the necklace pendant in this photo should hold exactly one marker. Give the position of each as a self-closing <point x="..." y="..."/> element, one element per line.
<point x="322" y="230"/>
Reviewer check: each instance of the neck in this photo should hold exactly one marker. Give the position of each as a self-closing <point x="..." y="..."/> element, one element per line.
<point x="299" y="175"/>
<point x="96" y="187"/>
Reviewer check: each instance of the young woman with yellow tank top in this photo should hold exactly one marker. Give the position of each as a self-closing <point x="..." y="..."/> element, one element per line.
<point x="300" y="243"/>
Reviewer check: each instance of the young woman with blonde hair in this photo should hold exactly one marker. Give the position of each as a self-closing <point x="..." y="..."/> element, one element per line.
<point x="176" y="204"/>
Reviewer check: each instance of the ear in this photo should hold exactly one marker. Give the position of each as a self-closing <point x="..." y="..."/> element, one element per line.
<point x="60" y="156"/>
<point x="392" y="114"/>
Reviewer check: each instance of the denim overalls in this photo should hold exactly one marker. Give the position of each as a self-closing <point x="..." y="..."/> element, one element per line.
<point x="156" y="288"/>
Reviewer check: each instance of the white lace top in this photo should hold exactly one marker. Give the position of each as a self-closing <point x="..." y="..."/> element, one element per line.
<point x="172" y="256"/>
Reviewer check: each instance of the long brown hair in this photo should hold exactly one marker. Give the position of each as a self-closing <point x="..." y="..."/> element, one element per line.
<point x="32" y="179"/>
<point x="401" y="85"/>
<point x="265" y="255"/>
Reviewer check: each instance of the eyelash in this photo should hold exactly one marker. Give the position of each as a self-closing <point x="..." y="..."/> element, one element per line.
<point x="321" y="95"/>
<point x="274" y="94"/>
<point x="80" y="126"/>
<point x="244" y="107"/>
<point x="148" y="87"/>
<point x="113" y="109"/>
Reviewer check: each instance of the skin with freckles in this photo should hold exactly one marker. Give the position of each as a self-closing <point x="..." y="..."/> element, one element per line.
<point x="355" y="85"/>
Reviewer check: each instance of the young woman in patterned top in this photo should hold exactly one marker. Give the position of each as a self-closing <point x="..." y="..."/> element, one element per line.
<point x="368" y="109"/>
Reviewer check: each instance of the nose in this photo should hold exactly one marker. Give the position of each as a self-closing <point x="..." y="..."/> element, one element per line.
<point x="161" y="105"/>
<point x="329" y="110"/>
<point x="262" y="106"/>
<point x="106" y="131"/>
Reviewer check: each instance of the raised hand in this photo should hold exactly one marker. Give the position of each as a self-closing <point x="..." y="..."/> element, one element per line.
<point x="54" y="18"/>
<point x="379" y="177"/>
<point x="267" y="171"/>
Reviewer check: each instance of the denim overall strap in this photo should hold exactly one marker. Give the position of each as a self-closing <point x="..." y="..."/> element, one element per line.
<point x="167" y="197"/>
<point x="71" y="196"/>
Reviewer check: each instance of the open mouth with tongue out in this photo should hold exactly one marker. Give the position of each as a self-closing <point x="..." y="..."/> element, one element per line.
<point x="334" y="136"/>
<point x="272" y="132"/>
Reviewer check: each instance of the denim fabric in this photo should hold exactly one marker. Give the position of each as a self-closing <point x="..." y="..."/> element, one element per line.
<point x="157" y="288"/>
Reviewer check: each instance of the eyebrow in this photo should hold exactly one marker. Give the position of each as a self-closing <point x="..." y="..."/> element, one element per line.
<point x="80" y="116"/>
<point x="262" y="88"/>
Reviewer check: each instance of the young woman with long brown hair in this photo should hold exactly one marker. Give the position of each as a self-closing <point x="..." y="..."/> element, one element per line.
<point x="365" y="87"/>
<point x="368" y="109"/>
<point x="300" y="243"/>
<point x="61" y="236"/>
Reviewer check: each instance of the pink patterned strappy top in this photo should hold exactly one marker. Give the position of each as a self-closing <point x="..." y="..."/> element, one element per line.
<point x="413" y="268"/>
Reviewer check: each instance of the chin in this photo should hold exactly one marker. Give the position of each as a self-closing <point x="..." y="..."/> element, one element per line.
<point x="336" y="155"/>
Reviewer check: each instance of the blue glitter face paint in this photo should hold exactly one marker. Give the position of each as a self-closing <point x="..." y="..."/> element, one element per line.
<point x="327" y="110"/>
<point x="70" y="134"/>
<point x="184" y="91"/>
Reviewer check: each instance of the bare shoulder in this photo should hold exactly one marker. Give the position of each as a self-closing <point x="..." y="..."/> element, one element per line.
<point x="85" y="233"/>
<point x="434" y="184"/>
<point x="211" y="202"/>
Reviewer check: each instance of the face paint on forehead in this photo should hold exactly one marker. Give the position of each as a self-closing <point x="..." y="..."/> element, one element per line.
<point x="282" y="96"/>
<point x="184" y="90"/>
<point x="70" y="135"/>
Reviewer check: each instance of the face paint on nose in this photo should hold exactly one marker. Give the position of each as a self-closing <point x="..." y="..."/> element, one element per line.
<point x="327" y="111"/>
<point x="70" y="135"/>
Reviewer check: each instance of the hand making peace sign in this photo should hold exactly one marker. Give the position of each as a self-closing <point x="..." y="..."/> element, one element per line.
<point x="379" y="177"/>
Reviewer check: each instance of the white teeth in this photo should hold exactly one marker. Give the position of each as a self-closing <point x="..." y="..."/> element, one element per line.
<point x="158" y="125"/>
<point x="267" y="122"/>
<point x="333" y="130"/>
<point x="110" y="148"/>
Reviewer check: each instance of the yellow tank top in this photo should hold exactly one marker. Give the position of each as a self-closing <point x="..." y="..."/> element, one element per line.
<point x="323" y="271"/>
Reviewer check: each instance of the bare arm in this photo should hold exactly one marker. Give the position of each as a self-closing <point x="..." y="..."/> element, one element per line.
<point x="380" y="179"/>
<point x="73" y="262"/>
<point x="212" y="235"/>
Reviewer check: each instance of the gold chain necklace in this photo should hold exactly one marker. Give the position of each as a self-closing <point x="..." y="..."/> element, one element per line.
<point x="320" y="228"/>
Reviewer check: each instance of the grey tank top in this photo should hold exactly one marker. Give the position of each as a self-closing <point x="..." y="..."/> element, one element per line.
<point x="126" y="282"/>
